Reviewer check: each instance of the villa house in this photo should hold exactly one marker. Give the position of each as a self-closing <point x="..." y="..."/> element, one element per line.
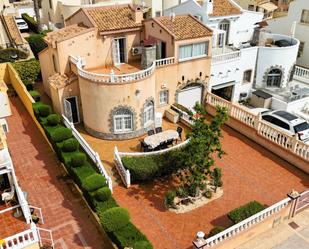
<point x="115" y="71"/>
<point x="267" y="7"/>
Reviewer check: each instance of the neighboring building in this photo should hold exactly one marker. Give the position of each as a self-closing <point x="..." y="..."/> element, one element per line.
<point x="115" y="72"/>
<point x="267" y="7"/>
<point x="244" y="55"/>
<point x="298" y="15"/>
<point x="283" y="5"/>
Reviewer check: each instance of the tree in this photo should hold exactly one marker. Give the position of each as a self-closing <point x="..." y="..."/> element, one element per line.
<point x="198" y="157"/>
<point x="36" y="7"/>
<point x="216" y="175"/>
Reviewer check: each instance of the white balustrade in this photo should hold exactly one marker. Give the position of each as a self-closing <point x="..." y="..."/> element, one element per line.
<point x="123" y="172"/>
<point x="301" y="74"/>
<point x="165" y="61"/>
<point x="21" y="240"/>
<point x="94" y="156"/>
<point x="222" y="58"/>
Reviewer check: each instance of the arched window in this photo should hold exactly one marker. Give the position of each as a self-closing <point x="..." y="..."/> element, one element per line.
<point x="148" y="113"/>
<point x="274" y="77"/>
<point x="123" y="120"/>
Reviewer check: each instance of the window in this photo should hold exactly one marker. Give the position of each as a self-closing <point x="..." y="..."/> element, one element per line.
<point x="305" y="17"/>
<point x="148" y="113"/>
<point x="247" y="76"/>
<point x="123" y="120"/>
<point x="251" y="7"/>
<point x="164" y="97"/>
<point x="225" y="25"/>
<point x="280" y="123"/>
<point x="50" y="4"/>
<point x="274" y="77"/>
<point x="158" y="13"/>
<point x="220" y="40"/>
<point x="193" y="50"/>
<point x="301" y="49"/>
<point x="55" y="64"/>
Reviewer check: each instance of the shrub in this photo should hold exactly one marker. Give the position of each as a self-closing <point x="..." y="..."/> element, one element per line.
<point x="102" y="206"/>
<point x="127" y="236"/>
<point x="215" y="230"/>
<point x="35" y="95"/>
<point x="61" y="134"/>
<point x="114" y="219"/>
<point x="208" y="194"/>
<point x="32" y="24"/>
<point x="192" y="190"/>
<point x="103" y="194"/>
<point x="44" y="110"/>
<point x="70" y="145"/>
<point x="169" y="199"/>
<point x="245" y="211"/>
<point x="37" y="43"/>
<point x="11" y="55"/>
<point x="142" y="245"/>
<point x="94" y="182"/>
<point x="182" y="192"/>
<point x="81" y="173"/>
<point x="53" y="119"/>
<point x="78" y="159"/>
<point x="28" y="71"/>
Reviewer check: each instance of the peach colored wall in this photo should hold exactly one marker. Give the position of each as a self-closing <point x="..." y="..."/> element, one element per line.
<point x="46" y="68"/>
<point x="155" y="30"/>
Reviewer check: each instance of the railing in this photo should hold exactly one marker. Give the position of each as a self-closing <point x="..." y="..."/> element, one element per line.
<point x="45" y="237"/>
<point x="124" y="173"/>
<point x="225" y="57"/>
<point x="94" y="156"/>
<point x="21" y="240"/>
<point x="301" y="74"/>
<point x="243" y="225"/>
<point x="40" y="212"/>
<point x="184" y="116"/>
<point x="112" y="77"/>
<point x="165" y="62"/>
<point x="263" y="129"/>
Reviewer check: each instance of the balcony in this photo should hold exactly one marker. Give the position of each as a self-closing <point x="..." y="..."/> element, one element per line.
<point x="223" y="55"/>
<point x="124" y="73"/>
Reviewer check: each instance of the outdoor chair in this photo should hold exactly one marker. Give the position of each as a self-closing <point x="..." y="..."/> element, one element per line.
<point x="163" y="145"/>
<point x="170" y="142"/>
<point x="8" y="195"/>
<point x="179" y="130"/>
<point x="150" y="132"/>
<point x="158" y="129"/>
<point x="145" y="147"/>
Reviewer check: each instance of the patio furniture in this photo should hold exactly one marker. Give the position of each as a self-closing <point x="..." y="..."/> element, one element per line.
<point x="159" y="129"/>
<point x="163" y="145"/>
<point x="8" y="195"/>
<point x="179" y="131"/>
<point x="150" y="132"/>
<point x="170" y="142"/>
<point x="144" y="147"/>
<point x="155" y="140"/>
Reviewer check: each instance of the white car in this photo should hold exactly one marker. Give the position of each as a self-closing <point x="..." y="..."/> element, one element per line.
<point x="21" y="24"/>
<point x="289" y="123"/>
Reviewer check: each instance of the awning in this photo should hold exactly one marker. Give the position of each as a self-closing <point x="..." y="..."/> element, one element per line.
<point x="232" y="83"/>
<point x="268" y="6"/>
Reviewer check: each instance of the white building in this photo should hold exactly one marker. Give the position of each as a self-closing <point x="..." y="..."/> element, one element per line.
<point x="298" y="14"/>
<point x="244" y="55"/>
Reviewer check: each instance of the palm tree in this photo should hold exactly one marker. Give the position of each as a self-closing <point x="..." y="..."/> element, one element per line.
<point x="37" y="13"/>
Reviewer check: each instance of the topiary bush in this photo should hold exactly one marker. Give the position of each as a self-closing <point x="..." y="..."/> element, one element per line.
<point x="53" y="119"/>
<point x="142" y="245"/>
<point x="35" y="95"/>
<point x="94" y="182"/>
<point x="80" y="173"/>
<point x="78" y="159"/>
<point x="61" y="134"/>
<point x="11" y="55"/>
<point x="102" y="206"/>
<point x="28" y="71"/>
<point x="70" y="145"/>
<point x="245" y="211"/>
<point x="44" y="110"/>
<point x="215" y="230"/>
<point x="114" y="219"/>
<point x="103" y="194"/>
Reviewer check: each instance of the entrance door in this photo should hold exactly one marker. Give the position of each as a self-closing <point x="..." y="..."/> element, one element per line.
<point x="189" y="96"/>
<point x="71" y="109"/>
<point x="119" y="51"/>
<point x="224" y="92"/>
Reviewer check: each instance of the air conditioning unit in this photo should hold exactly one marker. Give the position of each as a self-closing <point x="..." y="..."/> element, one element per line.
<point x="136" y="50"/>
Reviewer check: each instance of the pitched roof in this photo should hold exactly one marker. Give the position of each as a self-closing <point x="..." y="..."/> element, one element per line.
<point x="183" y="27"/>
<point x="13" y="30"/>
<point x="224" y="8"/>
<point x="110" y="18"/>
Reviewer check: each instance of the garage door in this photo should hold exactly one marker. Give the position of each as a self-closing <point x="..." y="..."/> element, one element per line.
<point x="189" y="96"/>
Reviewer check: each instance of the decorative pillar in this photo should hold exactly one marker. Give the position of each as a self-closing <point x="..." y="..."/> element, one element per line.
<point x="294" y="195"/>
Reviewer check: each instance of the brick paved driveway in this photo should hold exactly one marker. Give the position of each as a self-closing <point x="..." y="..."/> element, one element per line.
<point x="39" y="174"/>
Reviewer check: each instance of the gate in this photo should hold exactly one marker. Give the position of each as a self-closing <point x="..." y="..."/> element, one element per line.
<point x="303" y="201"/>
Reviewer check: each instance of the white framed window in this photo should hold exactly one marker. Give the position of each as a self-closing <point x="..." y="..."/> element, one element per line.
<point x="123" y="121"/>
<point x="301" y="49"/>
<point x="190" y="51"/>
<point x="148" y="113"/>
<point x="305" y="17"/>
<point x="247" y="76"/>
<point x="274" y="78"/>
<point x="163" y="97"/>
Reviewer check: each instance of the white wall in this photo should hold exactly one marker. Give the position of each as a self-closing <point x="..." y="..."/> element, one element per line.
<point x="283" y="25"/>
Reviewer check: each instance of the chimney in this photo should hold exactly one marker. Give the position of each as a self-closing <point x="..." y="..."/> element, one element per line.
<point x="172" y="15"/>
<point x="137" y="14"/>
<point x="208" y="6"/>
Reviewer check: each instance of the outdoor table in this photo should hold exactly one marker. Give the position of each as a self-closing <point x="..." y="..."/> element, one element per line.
<point x="154" y="141"/>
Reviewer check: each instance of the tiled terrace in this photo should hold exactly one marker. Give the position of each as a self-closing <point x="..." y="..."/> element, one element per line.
<point x="250" y="172"/>
<point x="132" y="67"/>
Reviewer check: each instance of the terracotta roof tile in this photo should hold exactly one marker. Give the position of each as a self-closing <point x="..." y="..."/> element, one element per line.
<point x="65" y="33"/>
<point x="184" y="27"/>
<point x="112" y="17"/>
<point x="224" y="8"/>
<point x="13" y="30"/>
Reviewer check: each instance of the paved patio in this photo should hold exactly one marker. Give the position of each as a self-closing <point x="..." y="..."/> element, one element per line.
<point x="250" y="172"/>
<point x="39" y="173"/>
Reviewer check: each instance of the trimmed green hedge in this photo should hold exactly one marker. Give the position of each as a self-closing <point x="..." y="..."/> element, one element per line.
<point x="11" y="55"/>
<point x="82" y="172"/>
<point x="32" y="24"/>
<point x="53" y="119"/>
<point x="35" y="95"/>
<point x="61" y="134"/>
<point x="37" y="43"/>
<point x="142" y="245"/>
<point x="94" y="182"/>
<point x="28" y="71"/>
<point x="215" y="230"/>
<point x="44" y="110"/>
<point x="102" y="206"/>
<point x="78" y="159"/>
<point x="70" y="145"/>
<point x="103" y="194"/>
<point x="114" y="219"/>
<point x="239" y="214"/>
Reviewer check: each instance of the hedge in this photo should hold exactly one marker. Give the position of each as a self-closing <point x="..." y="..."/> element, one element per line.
<point x="215" y="230"/>
<point x="102" y="206"/>
<point x="142" y="245"/>
<point x="28" y="71"/>
<point x="53" y="119"/>
<point x="239" y="214"/>
<point x="35" y="95"/>
<point x="93" y="182"/>
<point x="11" y="55"/>
<point x="114" y="219"/>
<point x="103" y="194"/>
<point x="70" y="145"/>
<point x="61" y="134"/>
<point x="32" y="24"/>
<point x="82" y="172"/>
<point x="44" y="110"/>
<point x="78" y="159"/>
<point x="37" y="43"/>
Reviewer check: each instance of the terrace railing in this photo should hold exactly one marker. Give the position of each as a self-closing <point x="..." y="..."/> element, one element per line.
<point x="94" y="156"/>
<point x="165" y="62"/>
<point x="263" y="128"/>
<point x="301" y="74"/>
<point x="222" y="58"/>
<point x="122" y="171"/>
<point x="243" y="225"/>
